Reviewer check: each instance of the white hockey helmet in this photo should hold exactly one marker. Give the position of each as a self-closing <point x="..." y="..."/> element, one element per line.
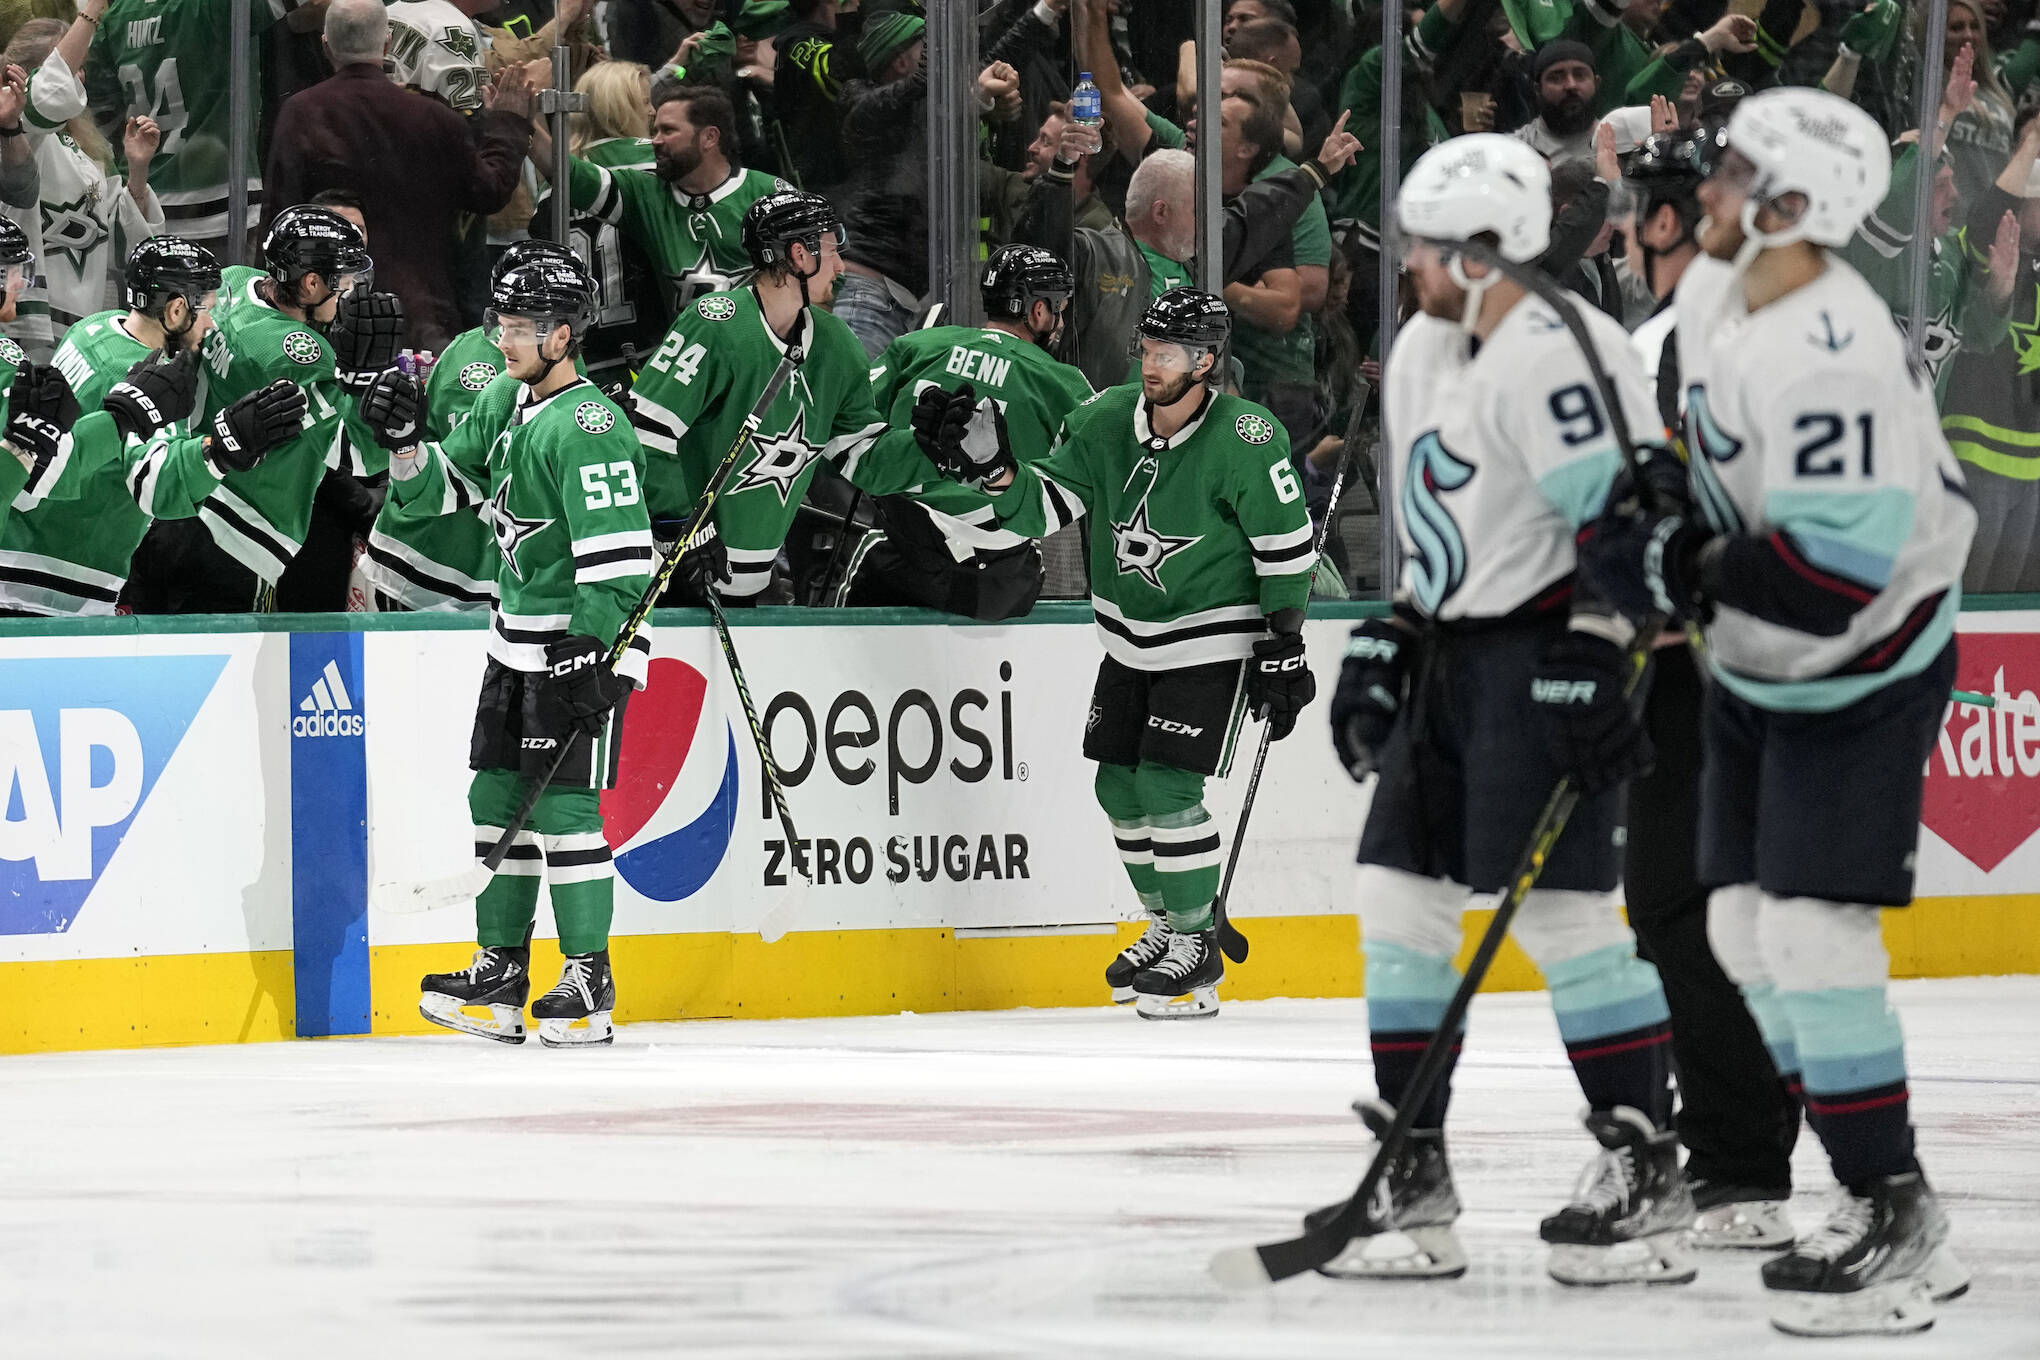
<point x="1807" y="141"/>
<point x="1480" y="182"/>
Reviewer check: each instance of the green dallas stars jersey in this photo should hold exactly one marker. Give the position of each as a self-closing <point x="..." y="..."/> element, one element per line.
<point x="259" y="517"/>
<point x="693" y="395"/>
<point x="562" y="481"/>
<point x="168" y="59"/>
<point x="695" y="241"/>
<point x="630" y="295"/>
<point x="68" y="553"/>
<point x="1193" y="538"/>
<point x="1032" y="389"/>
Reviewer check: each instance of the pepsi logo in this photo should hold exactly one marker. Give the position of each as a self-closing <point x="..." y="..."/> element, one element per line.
<point x="671" y="816"/>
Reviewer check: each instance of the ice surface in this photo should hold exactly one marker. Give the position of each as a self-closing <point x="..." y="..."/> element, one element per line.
<point x="1046" y="1183"/>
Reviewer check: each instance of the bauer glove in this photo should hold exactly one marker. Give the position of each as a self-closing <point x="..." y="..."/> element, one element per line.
<point x="582" y="683"/>
<point x="244" y="433"/>
<point x="1593" y="729"/>
<point x="394" y="409"/>
<point x="1279" y="682"/>
<point x="1372" y="682"/>
<point x="158" y="392"/>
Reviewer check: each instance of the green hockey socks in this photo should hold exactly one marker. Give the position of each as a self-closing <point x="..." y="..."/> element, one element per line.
<point x="563" y="843"/>
<point x="1166" y="839"/>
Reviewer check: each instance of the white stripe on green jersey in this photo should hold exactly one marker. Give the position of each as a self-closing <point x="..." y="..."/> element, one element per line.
<point x="564" y="482"/>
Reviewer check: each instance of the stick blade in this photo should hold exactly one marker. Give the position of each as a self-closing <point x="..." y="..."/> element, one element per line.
<point x="792" y="901"/>
<point x="1240" y="1269"/>
<point x="409" y="897"/>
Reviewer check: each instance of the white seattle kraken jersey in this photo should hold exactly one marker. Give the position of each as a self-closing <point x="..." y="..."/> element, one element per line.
<point x="1804" y="421"/>
<point x="1502" y="454"/>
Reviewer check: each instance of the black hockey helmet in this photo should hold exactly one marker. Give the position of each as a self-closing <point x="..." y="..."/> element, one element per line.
<point x="306" y="239"/>
<point x="519" y="252"/>
<point x="553" y="290"/>
<point x="1189" y="317"/>
<point x="1016" y="277"/>
<point x="164" y="267"/>
<point x="1667" y="167"/>
<point x="783" y="218"/>
<point x="14" y="244"/>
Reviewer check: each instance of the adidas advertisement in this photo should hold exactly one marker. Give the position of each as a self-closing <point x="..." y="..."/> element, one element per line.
<point x="327" y="710"/>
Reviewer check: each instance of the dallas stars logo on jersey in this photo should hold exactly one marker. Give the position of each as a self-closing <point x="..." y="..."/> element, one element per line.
<point x="1253" y="429"/>
<point x="72" y="229"/>
<point x="511" y="532"/>
<point x="478" y="375"/>
<point x="1143" y="552"/>
<point x="715" y="308"/>
<point x="777" y="460"/>
<point x="300" y="347"/>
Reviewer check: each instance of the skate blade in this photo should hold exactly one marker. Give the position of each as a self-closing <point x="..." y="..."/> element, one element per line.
<point x="1123" y="995"/>
<point x="1431" y="1253"/>
<point x="505" y="1023"/>
<point x="1947" y="1278"/>
<point x="560" y="1033"/>
<point x="1641" y="1260"/>
<point x="1200" y="1004"/>
<point x="1893" y="1308"/>
<point x="1754" y="1225"/>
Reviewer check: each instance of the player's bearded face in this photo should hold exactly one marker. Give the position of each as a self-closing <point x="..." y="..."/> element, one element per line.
<point x="195" y="316"/>
<point x="1722" y="195"/>
<point x="1168" y="370"/>
<point x="1437" y="294"/>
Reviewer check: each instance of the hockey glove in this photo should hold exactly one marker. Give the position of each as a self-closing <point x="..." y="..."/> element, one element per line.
<point x="1593" y="730"/>
<point x="157" y="392"/>
<point x="704" y="562"/>
<point x="394" y="409"/>
<point x="40" y="410"/>
<point x="244" y="433"/>
<point x="1644" y="563"/>
<point x="1279" y="682"/>
<point x="367" y="332"/>
<point x="582" y="683"/>
<point x="1372" y="682"/>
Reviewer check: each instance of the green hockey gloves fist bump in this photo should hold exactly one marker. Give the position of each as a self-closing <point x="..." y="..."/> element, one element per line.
<point x="244" y="433"/>
<point x="367" y="332"/>
<point x="582" y="682"/>
<point x="158" y="392"/>
<point x="1372" y="681"/>
<point x="1279" y="682"/>
<point x="40" y="409"/>
<point x="394" y="409"/>
<point x="1593" y="729"/>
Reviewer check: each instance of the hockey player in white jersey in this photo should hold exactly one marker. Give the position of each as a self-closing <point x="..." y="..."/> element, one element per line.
<point x="1494" y="678"/>
<point x="1822" y="549"/>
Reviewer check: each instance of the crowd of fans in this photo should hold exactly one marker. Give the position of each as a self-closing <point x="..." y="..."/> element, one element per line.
<point x="420" y="119"/>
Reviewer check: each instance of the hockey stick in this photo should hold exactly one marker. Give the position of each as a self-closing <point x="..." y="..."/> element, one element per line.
<point x="1327" y="1231"/>
<point x="773" y="926"/>
<point x="407" y="897"/>
<point x="1230" y="941"/>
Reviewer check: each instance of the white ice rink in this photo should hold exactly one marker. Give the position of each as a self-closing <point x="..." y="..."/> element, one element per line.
<point x="1044" y="1183"/>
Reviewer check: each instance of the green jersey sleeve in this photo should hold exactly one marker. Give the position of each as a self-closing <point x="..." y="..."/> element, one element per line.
<point x="1267" y="502"/>
<point x="453" y="472"/>
<point x="1046" y="495"/>
<point x="611" y="533"/>
<point x="680" y="384"/>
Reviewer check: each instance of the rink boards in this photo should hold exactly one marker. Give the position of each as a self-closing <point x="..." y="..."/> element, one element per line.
<point x="196" y="811"/>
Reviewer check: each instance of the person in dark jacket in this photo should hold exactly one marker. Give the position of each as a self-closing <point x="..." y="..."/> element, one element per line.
<point x="885" y="127"/>
<point x="409" y="159"/>
<point x="814" y="57"/>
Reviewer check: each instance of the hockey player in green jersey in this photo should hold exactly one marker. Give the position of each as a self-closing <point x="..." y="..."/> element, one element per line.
<point x="1200" y="570"/>
<point x="557" y="465"/>
<point x="284" y="324"/>
<point x="940" y="544"/>
<point x="421" y="559"/>
<point x="688" y="214"/>
<point x="68" y="553"/>
<point x="694" y="393"/>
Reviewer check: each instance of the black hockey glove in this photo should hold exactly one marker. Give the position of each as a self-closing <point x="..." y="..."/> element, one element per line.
<point x="157" y="392"/>
<point x="367" y="332"/>
<point x="394" y="409"/>
<point x="1639" y="554"/>
<point x="964" y="438"/>
<point x="1279" y="682"/>
<point x="582" y="683"/>
<point x="244" y="433"/>
<point x="704" y="562"/>
<point x="1372" y="682"/>
<point x="1594" y="731"/>
<point x="40" y="410"/>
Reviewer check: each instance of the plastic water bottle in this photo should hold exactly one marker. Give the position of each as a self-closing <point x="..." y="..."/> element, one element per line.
<point x="1087" y="109"/>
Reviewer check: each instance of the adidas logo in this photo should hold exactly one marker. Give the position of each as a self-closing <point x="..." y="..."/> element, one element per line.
<point x="327" y="711"/>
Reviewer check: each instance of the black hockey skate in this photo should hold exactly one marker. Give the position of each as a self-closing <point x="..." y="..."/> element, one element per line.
<point x="1629" y="1217"/>
<point x="1739" y="1217"/>
<point x="498" y="981"/>
<point x="1183" y="983"/>
<point x="584" y="996"/>
<point x="1415" y="1206"/>
<point x="1144" y="952"/>
<point x="1867" y="1271"/>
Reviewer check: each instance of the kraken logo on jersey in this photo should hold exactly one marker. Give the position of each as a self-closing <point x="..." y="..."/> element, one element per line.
<point x="72" y="228"/>
<point x="511" y="532"/>
<point x="1706" y="438"/>
<point x="778" y="460"/>
<point x="1438" y="567"/>
<point x="1142" y="551"/>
